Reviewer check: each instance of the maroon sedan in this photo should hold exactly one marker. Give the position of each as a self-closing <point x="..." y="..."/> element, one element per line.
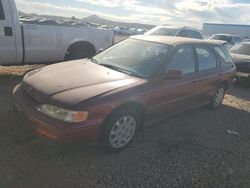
<point x="109" y="97"/>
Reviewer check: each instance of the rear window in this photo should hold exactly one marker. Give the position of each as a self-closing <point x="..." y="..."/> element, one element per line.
<point x="1" y="11"/>
<point x="190" y="34"/>
<point x="163" y="31"/>
<point x="225" y="56"/>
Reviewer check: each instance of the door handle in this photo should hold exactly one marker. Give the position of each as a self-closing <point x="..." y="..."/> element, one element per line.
<point x="8" y="31"/>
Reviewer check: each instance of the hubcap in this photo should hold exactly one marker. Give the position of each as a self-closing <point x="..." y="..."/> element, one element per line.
<point x="219" y="97"/>
<point x="122" y="131"/>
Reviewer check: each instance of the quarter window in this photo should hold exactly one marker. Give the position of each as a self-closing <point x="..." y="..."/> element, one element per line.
<point x="225" y="56"/>
<point x="183" y="60"/>
<point x="1" y="11"/>
<point x="206" y="58"/>
<point x="197" y="35"/>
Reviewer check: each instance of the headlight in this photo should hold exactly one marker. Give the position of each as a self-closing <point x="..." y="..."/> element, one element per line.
<point x="63" y="114"/>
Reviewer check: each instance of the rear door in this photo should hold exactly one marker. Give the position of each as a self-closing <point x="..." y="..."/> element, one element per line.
<point x="209" y="75"/>
<point x="7" y="38"/>
<point x="176" y="95"/>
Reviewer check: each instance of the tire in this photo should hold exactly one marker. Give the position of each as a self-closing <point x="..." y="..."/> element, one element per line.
<point x="79" y="51"/>
<point x="218" y="97"/>
<point x="77" y="54"/>
<point x="120" y="129"/>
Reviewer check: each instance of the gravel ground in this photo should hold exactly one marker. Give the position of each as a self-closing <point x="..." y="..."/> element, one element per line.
<point x="199" y="148"/>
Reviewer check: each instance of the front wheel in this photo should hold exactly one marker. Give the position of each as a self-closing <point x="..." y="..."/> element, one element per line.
<point x="120" y="129"/>
<point x="218" y="97"/>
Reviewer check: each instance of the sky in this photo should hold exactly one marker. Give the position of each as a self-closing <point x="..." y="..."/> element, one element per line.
<point x="156" y="12"/>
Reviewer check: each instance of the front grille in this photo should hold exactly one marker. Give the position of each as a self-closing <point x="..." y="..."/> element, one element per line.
<point x="243" y="67"/>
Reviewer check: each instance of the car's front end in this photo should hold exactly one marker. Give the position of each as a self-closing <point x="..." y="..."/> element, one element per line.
<point x="56" y="123"/>
<point x="243" y="69"/>
<point x="242" y="74"/>
<point x="65" y="101"/>
<point x="241" y="55"/>
<point x="71" y="101"/>
<point x="242" y="63"/>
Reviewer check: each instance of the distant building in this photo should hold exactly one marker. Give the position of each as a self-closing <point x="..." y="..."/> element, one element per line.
<point x="233" y="29"/>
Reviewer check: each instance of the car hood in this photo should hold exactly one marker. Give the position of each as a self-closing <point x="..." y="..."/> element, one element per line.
<point x="238" y="58"/>
<point x="71" y="82"/>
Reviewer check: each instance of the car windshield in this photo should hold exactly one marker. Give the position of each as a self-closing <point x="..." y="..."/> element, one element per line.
<point x="135" y="57"/>
<point x="221" y="37"/>
<point x="241" y="48"/>
<point x="163" y="31"/>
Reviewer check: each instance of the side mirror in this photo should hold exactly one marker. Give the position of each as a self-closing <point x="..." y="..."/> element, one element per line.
<point x="174" y="74"/>
<point x="100" y="50"/>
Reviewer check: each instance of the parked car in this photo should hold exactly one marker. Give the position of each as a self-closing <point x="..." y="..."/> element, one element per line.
<point x="141" y="31"/>
<point x="230" y="39"/>
<point x="175" y="31"/>
<point x="37" y="42"/>
<point x="108" y="98"/>
<point x="246" y="40"/>
<point x="241" y="55"/>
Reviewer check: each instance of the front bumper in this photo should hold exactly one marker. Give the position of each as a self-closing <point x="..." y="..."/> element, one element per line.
<point x="51" y="128"/>
<point x="242" y="74"/>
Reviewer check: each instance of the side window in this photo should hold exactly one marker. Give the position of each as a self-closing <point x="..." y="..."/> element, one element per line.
<point x="206" y="58"/>
<point x="1" y="11"/>
<point x="182" y="33"/>
<point x="190" y="34"/>
<point x="183" y="60"/>
<point x="197" y="35"/>
<point x="226" y="58"/>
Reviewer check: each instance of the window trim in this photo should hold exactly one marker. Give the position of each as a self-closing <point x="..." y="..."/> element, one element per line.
<point x="210" y="50"/>
<point x="1" y="8"/>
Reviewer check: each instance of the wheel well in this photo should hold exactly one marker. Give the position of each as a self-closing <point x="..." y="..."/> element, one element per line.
<point x="135" y="105"/>
<point x="225" y="83"/>
<point x="87" y="48"/>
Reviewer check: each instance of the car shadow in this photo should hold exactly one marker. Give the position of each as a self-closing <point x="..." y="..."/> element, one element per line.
<point x="239" y="91"/>
<point x="217" y="131"/>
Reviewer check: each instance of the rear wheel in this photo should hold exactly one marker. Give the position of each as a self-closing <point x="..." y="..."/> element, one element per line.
<point x="80" y="51"/>
<point x="120" y="129"/>
<point x="218" y="97"/>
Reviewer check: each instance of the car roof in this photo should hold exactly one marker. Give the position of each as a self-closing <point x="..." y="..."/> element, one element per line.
<point x="245" y="42"/>
<point x="226" y="35"/>
<point x="176" y="27"/>
<point x="172" y="41"/>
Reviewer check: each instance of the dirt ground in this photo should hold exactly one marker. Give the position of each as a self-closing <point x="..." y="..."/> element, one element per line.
<point x="199" y="148"/>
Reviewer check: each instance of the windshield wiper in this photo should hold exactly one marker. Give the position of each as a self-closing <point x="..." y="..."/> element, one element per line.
<point x="94" y="60"/>
<point x="116" y="68"/>
<point x="130" y="73"/>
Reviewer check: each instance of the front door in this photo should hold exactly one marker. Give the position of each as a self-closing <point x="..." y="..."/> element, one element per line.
<point x="7" y="38"/>
<point x="177" y="95"/>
